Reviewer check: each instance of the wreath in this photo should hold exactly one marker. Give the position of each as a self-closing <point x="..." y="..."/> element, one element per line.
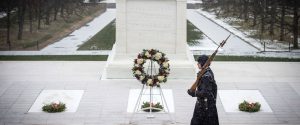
<point x="149" y="79"/>
<point x="154" y="107"/>
<point x="54" y="107"/>
<point x="249" y="106"/>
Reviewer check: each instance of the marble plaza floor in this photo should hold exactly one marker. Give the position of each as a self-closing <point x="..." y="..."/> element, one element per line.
<point x="104" y="102"/>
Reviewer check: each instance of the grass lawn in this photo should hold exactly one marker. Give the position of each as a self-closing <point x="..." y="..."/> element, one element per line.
<point x="103" y="40"/>
<point x="193" y="34"/>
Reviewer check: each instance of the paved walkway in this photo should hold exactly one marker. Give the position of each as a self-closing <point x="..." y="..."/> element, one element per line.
<point x="70" y="44"/>
<point x="105" y="102"/>
<point x="80" y="36"/>
<point x="217" y="34"/>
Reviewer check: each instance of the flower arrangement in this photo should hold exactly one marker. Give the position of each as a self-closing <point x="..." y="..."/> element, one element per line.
<point x="249" y="106"/>
<point x="54" y="107"/>
<point x="155" y="107"/>
<point x="148" y="79"/>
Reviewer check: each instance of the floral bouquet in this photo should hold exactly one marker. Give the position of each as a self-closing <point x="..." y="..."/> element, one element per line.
<point x="249" y="106"/>
<point x="54" y="107"/>
<point x="155" y="107"/>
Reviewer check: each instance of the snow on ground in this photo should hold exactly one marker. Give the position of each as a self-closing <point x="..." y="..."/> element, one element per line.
<point x="2" y="14"/>
<point x="72" y="42"/>
<point x="204" y="44"/>
<point x="235" y="46"/>
<point x="108" y="1"/>
<point x="214" y="34"/>
<point x="217" y="34"/>
<point x="194" y="1"/>
<point x="101" y="1"/>
<point x="270" y="45"/>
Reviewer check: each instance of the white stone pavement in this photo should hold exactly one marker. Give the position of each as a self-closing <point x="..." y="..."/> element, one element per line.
<point x="104" y="102"/>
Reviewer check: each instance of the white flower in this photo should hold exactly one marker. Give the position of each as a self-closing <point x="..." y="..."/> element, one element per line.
<point x="138" y="72"/>
<point x="167" y="70"/>
<point x="56" y="102"/>
<point x="140" y="61"/>
<point x="149" y="81"/>
<point x="157" y="84"/>
<point x="166" y="64"/>
<point x="142" y="78"/>
<point x="161" y="78"/>
<point x="158" y="56"/>
<point x="136" y="65"/>
<point x="250" y="102"/>
<point x="147" y="54"/>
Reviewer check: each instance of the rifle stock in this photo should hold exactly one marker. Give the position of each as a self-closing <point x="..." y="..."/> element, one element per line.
<point x="206" y="65"/>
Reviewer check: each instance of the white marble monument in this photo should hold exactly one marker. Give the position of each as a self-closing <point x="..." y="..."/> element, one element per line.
<point x="147" y="24"/>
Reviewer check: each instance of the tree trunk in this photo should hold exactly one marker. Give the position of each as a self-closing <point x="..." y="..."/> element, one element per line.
<point x="30" y="15"/>
<point x="246" y="10"/>
<point x="255" y="6"/>
<point x="254" y="19"/>
<point x="56" y="7"/>
<point x="272" y="21"/>
<point x="48" y="9"/>
<point x="295" y="25"/>
<point x="240" y="7"/>
<point x="8" y="9"/>
<point x="39" y="13"/>
<point x="21" y="14"/>
<point x="282" y="22"/>
<point x="36" y="9"/>
<point x="262" y="16"/>
<point x="61" y="9"/>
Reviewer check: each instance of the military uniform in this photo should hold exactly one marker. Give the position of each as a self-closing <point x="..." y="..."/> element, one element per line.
<point x="205" y="112"/>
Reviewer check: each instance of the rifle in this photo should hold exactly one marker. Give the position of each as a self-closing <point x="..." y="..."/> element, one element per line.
<point x="206" y="65"/>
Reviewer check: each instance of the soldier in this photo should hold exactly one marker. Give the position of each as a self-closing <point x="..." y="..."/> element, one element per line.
<point x="205" y="112"/>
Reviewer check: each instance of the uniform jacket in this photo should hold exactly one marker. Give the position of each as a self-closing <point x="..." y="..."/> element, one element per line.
<point x="205" y="112"/>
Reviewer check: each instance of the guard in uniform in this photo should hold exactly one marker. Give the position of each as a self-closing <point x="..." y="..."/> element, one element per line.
<point x="205" y="112"/>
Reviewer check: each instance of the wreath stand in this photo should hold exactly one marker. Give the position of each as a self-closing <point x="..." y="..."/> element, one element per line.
<point x="137" y="108"/>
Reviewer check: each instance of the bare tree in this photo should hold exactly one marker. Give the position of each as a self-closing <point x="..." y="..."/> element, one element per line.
<point x="280" y="18"/>
<point x="21" y="16"/>
<point x="295" y="23"/>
